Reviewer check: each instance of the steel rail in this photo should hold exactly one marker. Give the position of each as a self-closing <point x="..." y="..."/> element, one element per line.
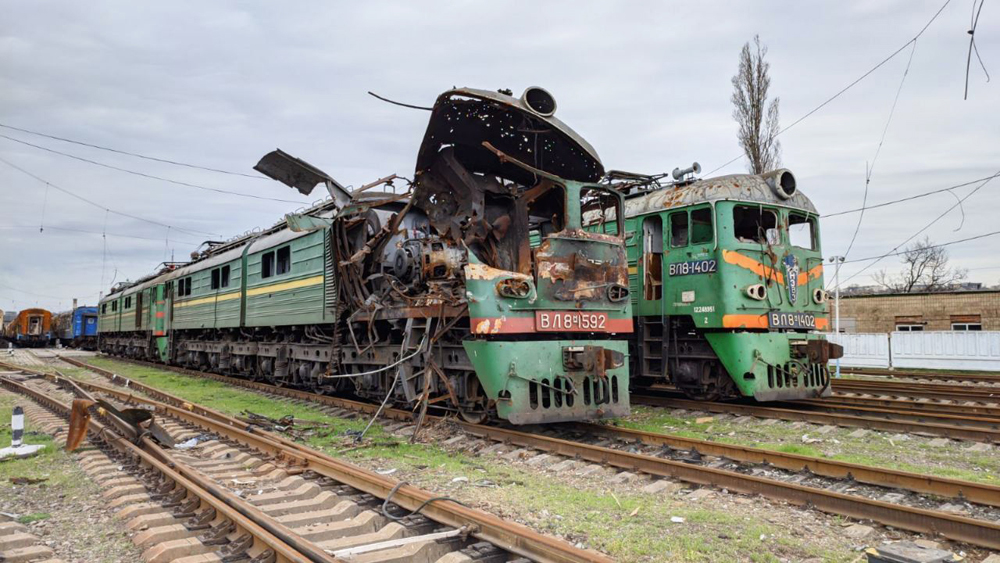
<point x="953" y="526"/>
<point x="976" y="434"/>
<point x="961" y="392"/>
<point x="979" y="493"/>
<point x="908" y="405"/>
<point x="286" y="544"/>
<point x="900" y="410"/>
<point x="896" y="413"/>
<point x="511" y="536"/>
<point x="981" y="377"/>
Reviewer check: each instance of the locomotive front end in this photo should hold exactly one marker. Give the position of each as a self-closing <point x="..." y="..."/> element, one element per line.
<point x="544" y="341"/>
<point x="774" y="300"/>
<point x="546" y="279"/>
<point x="729" y="276"/>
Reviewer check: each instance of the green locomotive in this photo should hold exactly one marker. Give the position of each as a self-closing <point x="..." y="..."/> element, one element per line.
<point x="477" y="292"/>
<point x="726" y="277"/>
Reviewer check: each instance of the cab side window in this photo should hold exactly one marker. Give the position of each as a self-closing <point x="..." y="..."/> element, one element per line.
<point x="678" y="229"/>
<point x="284" y="260"/>
<point x="267" y="265"/>
<point x="701" y="226"/>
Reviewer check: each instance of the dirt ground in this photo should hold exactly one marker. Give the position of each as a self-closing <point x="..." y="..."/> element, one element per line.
<point x="65" y="511"/>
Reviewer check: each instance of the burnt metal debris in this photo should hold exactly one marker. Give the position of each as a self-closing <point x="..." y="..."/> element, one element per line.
<point x="426" y="295"/>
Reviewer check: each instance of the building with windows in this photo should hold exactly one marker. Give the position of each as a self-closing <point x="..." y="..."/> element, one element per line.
<point x="949" y="310"/>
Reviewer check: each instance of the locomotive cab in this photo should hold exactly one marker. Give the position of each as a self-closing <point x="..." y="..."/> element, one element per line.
<point x="728" y="286"/>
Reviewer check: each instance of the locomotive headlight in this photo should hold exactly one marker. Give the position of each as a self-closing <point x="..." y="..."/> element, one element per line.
<point x="819" y="295"/>
<point x="617" y="292"/>
<point x="756" y="292"/>
<point x="513" y="288"/>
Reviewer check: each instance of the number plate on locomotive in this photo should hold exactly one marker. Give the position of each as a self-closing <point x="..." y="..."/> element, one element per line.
<point x="693" y="267"/>
<point x="791" y="320"/>
<point x="558" y="321"/>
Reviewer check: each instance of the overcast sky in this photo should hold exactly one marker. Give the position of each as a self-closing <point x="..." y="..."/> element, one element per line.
<point x="219" y="84"/>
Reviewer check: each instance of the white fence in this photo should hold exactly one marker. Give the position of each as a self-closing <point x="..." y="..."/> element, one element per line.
<point x="863" y="350"/>
<point x="960" y="350"/>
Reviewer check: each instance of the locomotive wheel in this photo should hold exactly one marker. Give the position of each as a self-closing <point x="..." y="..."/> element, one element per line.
<point x="474" y="416"/>
<point x="713" y="383"/>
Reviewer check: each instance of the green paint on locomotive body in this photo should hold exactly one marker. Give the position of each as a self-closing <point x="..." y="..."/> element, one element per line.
<point x="287" y="297"/>
<point x="697" y="252"/>
<point x="577" y="277"/>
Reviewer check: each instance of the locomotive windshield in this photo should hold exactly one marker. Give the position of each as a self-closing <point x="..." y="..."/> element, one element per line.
<point x="600" y="208"/>
<point x="754" y="224"/>
<point x="801" y="231"/>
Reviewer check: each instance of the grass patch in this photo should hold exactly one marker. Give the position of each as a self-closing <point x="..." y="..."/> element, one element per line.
<point x="43" y="465"/>
<point x="628" y="525"/>
<point x="876" y="449"/>
<point x="29" y="518"/>
<point x="226" y="398"/>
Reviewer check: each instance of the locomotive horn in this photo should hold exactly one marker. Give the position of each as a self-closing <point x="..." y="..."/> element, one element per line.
<point x="694" y="169"/>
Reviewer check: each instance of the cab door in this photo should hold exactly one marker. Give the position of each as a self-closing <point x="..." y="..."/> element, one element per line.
<point x="162" y="307"/>
<point x="690" y="263"/>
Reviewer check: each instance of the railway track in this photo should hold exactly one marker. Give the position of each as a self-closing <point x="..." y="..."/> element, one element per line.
<point x="904" y="500"/>
<point x="985" y="378"/>
<point x="974" y="429"/>
<point x="258" y="497"/>
<point x="929" y="391"/>
<point x="966" y="408"/>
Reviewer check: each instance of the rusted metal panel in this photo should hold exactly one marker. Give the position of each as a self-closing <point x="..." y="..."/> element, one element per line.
<point x="735" y="187"/>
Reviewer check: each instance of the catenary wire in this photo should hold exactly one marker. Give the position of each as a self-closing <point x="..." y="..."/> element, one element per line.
<point x="118" y="235"/>
<point x="911" y="198"/>
<point x="150" y="176"/>
<point x="849" y="86"/>
<point x="943" y="244"/>
<point x="136" y="155"/>
<point x="102" y="207"/>
<point x="878" y="150"/>
<point x="922" y="229"/>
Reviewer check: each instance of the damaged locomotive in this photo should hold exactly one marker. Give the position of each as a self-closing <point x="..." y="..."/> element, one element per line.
<point x="727" y="286"/>
<point x="478" y="291"/>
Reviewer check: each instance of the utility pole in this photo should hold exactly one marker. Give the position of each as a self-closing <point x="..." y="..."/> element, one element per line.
<point x="837" y="260"/>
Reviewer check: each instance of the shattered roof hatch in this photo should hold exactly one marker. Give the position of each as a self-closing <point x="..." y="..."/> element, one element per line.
<point x="299" y="174"/>
<point x="522" y="128"/>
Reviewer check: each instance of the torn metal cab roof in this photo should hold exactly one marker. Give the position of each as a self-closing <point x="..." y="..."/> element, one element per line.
<point x="522" y="128"/>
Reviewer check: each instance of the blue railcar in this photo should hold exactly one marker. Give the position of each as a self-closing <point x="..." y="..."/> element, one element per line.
<point x="79" y="330"/>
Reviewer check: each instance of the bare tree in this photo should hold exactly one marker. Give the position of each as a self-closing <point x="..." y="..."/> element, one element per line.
<point x="925" y="268"/>
<point x="757" y="118"/>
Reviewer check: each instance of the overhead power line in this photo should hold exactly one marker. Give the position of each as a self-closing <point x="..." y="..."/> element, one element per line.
<point x="912" y="197"/>
<point x="103" y="207"/>
<point x="11" y="288"/>
<point x="849" y="86"/>
<point x="118" y="235"/>
<point x="136" y="155"/>
<point x="924" y="228"/>
<point x="150" y="176"/>
<point x="870" y="169"/>
<point x="900" y="253"/>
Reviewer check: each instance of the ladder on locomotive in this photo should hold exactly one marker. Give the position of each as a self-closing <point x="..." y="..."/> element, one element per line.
<point x="651" y="349"/>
